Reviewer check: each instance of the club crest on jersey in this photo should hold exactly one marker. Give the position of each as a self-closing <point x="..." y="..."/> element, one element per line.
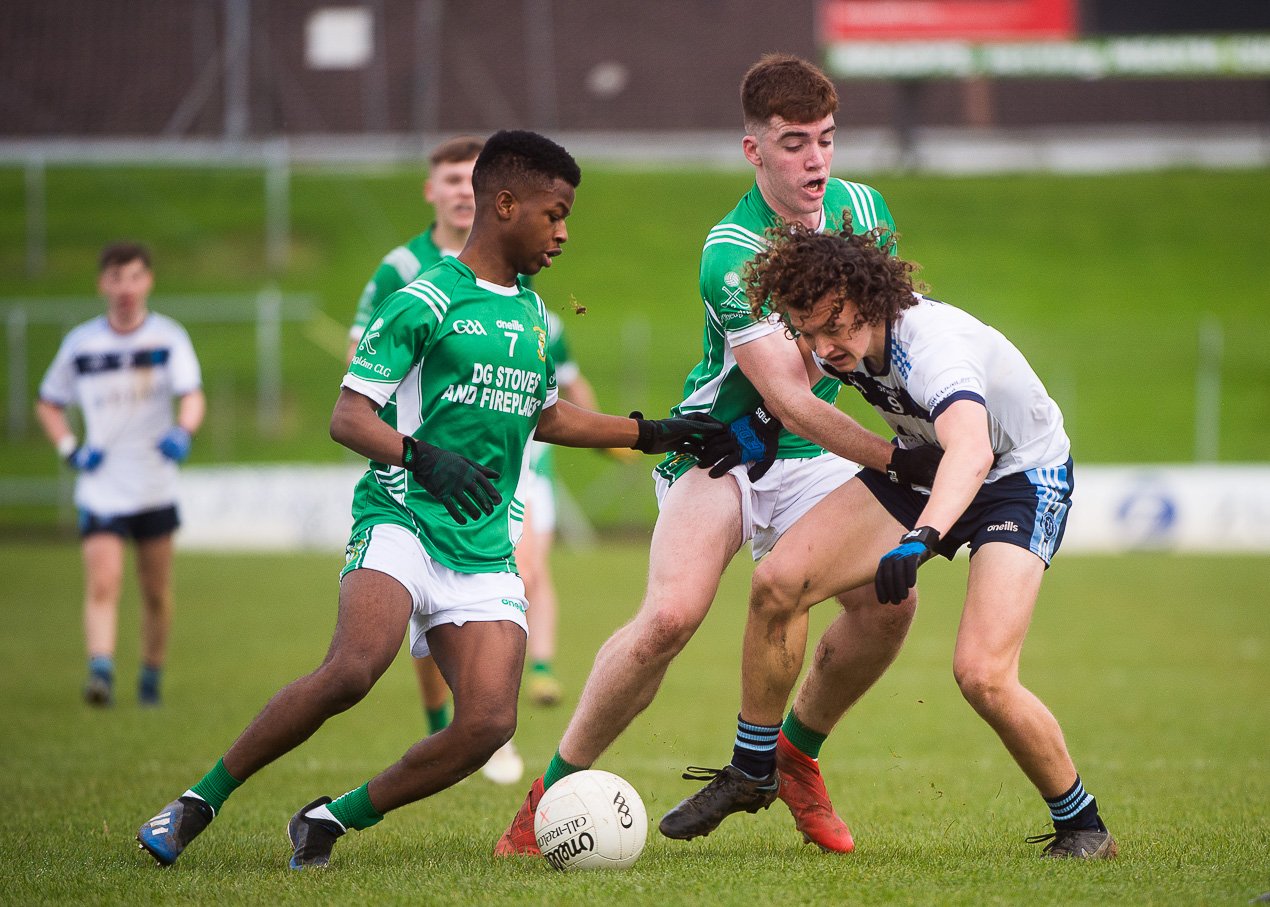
<point x="542" y="343"/>
<point x="735" y="293"/>
<point x="371" y="333"/>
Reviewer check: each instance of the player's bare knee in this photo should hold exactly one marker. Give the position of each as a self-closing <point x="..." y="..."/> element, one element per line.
<point x="343" y="683"/>
<point x="775" y="595"/>
<point x="983" y="685"/>
<point x="662" y="634"/>
<point x="484" y="733"/>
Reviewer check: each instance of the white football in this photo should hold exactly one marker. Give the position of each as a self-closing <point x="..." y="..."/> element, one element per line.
<point x="591" y="820"/>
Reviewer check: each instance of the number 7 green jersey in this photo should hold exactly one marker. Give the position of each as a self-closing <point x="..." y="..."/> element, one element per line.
<point x="463" y="364"/>
<point x="717" y="385"/>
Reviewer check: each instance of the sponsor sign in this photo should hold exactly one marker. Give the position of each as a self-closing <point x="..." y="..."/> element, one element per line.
<point x="925" y="20"/>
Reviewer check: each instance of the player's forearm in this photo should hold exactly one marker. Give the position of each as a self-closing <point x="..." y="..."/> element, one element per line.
<point x="960" y="476"/>
<point x="572" y="426"/>
<point x="191" y="411"/>
<point x="962" y="430"/>
<point x="823" y="423"/>
<point x="53" y="421"/>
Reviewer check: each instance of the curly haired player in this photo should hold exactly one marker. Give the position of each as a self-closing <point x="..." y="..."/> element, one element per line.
<point x="937" y="376"/>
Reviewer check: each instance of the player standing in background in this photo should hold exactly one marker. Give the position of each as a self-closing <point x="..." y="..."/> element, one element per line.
<point x="448" y="189"/>
<point x="533" y="551"/>
<point x="937" y="376"/>
<point x="789" y="107"/>
<point x="462" y="352"/>
<point x="123" y="370"/>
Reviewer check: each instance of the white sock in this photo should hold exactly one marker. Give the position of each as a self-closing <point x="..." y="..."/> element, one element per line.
<point x="321" y="812"/>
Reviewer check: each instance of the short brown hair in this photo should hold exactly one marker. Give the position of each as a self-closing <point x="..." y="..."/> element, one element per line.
<point x="786" y="86"/>
<point x="800" y="268"/>
<point x="120" y="253"/>
<point x="458" y="150"/>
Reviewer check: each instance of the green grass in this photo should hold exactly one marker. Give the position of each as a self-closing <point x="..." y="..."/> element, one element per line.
<point x="1155" y="665"/>
<point x="1102" y="281"/>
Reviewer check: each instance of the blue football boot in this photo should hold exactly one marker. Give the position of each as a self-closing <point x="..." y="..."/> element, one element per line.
<point x="171" y="831"/>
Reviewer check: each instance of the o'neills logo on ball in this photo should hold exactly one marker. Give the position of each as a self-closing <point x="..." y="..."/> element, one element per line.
<point x="569" y="850"/>
<point x="567" y="827"/>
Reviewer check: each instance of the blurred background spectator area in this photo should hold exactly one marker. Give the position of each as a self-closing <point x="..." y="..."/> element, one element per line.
<point x="250" y="69"/>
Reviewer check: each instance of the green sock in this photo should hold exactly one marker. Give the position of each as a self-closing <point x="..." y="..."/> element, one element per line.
<point x="804" y="738"/>
<point x="438" y="718"/>
<point x="217" y="785"/>
<point x="541" y="667"/>
<point x="558" y="769"/>
<point x="354" y="810"/>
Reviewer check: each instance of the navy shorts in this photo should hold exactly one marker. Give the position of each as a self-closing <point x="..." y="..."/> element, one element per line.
<point x="149" y="524"/>
<point x="1027" y="509"/>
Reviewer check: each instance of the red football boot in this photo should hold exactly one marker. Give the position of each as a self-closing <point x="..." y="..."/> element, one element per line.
<point x="803" y="790"/>
<point x="519" y="837"/>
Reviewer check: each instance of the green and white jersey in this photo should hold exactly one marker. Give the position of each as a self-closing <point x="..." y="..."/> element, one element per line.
<point x="463" y="364"/>
<point x="716" y="385"/>
<point x="541" y="454"/>
<point x="400" y="266"/>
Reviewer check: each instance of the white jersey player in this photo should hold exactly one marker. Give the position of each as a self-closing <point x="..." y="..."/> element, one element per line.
<point x="123" y="370"/>
<point x="936" y="375"/>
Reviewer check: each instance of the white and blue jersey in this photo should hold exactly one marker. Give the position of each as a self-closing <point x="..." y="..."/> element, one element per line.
<point x="124" y="385"/>
<point x="937" y="354"/>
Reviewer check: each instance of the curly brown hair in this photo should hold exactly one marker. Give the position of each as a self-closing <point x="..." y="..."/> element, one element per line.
<point x="799" y="268"/>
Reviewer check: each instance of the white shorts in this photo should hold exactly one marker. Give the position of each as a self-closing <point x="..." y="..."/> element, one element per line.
<point x="540" y="500"/>
<point x="438" y="594"/>
<point x="775" y="502"/>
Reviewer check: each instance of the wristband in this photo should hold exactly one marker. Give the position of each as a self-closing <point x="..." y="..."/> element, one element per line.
<point x="66" y="446"/>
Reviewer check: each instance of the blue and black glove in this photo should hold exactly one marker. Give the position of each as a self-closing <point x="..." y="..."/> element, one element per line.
<point x="461" y="485"/>
<point x="753" y="438"/>
<point x="897" y="571"/>
<point x="175" y="444"/>
<point x="678" y="433"/>
<point x="85" y="458"/>
<point x="914" y="465"/>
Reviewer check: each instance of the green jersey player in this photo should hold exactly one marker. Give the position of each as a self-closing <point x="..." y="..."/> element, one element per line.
<point x="448" y="189"/>
<point x="788" y="107"/>
<point x="463" y="353"/>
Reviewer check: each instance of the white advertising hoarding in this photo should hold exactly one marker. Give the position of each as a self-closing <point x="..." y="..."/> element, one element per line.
<point x="1185" y="508"/>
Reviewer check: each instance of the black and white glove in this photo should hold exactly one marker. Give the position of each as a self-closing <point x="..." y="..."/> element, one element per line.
<point x="461" y="485"/>
<point x="914" y="465"/>
<point x="678" y="433"/>
<point x="753" y="438"/>
<point x="897" y="570"/>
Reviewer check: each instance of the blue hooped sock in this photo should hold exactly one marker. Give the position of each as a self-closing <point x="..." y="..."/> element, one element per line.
<point x="754" y="751"/>
<point x="1074" y="808"/>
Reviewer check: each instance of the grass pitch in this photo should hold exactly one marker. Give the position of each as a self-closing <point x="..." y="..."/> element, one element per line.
<point x="1155" y="665"/>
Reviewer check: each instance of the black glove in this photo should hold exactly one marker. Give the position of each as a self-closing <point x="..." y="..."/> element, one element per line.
<point x="915" y="465"/>
<point x="454" y="480"/>
<point x="753" y="439"/>
<point x="678" y="433"/>
<point x="897" y="571"/>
